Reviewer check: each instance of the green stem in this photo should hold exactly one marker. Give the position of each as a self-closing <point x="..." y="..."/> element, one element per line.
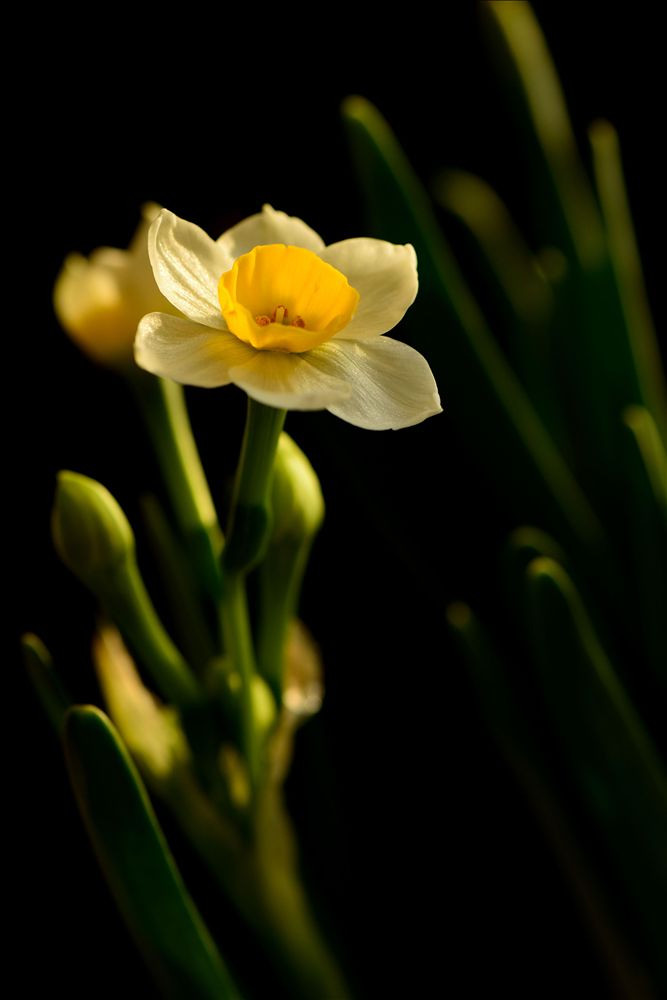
<point x="190" y="626"/>
<point x="238" y="640"/>
<point x="248" y="534"/>
<point x="162" y="404"/>
<point x="250" y="516"/>
<point x="129" y="605"/>
<point x="267" y="890"/>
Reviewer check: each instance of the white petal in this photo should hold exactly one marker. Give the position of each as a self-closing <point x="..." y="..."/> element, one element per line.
<point x="384" y="274"/>
<point x="391" y="384"/>
<point x="187" y="265"/>
<point x="187" y="352"/>
<point x="269" y="226"/>
<point x="289" y="381"/>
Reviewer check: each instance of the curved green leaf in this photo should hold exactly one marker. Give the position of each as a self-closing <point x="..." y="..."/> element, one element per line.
<point x="524" y="296"/>
<point x="611" y="760"/>
<point x="137" y="863"/>
<point x="596" y="362"/>
<point x="45" y="680"/>
<point x="501" y="705"/>
<point x="645" y="464"/>
<point x="545" y="127"/>
<point x="627" y="269"/>
<point x="495" y="414"/>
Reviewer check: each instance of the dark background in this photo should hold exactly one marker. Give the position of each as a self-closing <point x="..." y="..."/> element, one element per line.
<point x="427" y="866"/>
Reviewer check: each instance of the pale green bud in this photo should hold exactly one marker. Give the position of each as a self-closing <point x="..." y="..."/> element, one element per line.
<point x="263" y="705"/>
<point x="90" y="531"/>
<point x="297" y="501"/>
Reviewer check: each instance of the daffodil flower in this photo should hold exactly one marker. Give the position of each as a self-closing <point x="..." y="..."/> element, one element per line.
<point x="100" y="299"/>
<point x="294" y="323"/>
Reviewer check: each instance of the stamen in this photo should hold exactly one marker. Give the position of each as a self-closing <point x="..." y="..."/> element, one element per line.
<point x="280" y="315"/>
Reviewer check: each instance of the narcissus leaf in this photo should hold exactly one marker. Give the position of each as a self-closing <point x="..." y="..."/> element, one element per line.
<point x="137" y="863"/>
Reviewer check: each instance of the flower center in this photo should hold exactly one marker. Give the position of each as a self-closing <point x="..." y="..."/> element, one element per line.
<point x="285" y="298"/>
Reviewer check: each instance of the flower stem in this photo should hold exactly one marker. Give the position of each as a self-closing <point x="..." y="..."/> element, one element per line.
<point x="248" y="533"/>
<point x="192" y="630"/>
<point x="162" y="404"/>
<point x="128" y="604"/>
<point x="263" y="882"/>
<point x="250" y="516"/>
<point x="238" y="640"/>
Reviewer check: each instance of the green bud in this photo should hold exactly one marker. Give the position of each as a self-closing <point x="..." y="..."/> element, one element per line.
<point x="90" y="531"/>
<point x="297" y="501"/>
<point x="263" y="705"/>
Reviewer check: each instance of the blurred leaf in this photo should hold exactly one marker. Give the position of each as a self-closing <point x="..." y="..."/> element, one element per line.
<point x="595" y="363"/>
<point x="507" y="722"/>
<point x="628" y="272"/>
<point x="645" y="466"/>
<point x="45" y="680"/>
<point x="523" y="546"/>
<point x="489" y="676"/>
<point x="524" y="296"/>
<point x="538" y="98"/>
<point x="493" y="412"/>
<point x="137" y="863"/>
<point x="611" y="759"/>
<point x="528" y="295"/>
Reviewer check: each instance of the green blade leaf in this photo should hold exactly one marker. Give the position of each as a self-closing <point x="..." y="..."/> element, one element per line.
<point x="595" y="363"/>
<point x="527" y="294"/>
<point x="524" y="545"/>
<point x="645" y="465"/>
<point x="474" y="378"/>
<point x="520" y="745"/>
<point x="538" y="98"/>
<point x="489" y="677"/>
<point x="162" y="404"/>
<point x="45" y="680"/>
<point x="628" y="271"/>
<point x="137" y="863"/>
<point x="524" y="297"/>
<point x="611" y="760"/>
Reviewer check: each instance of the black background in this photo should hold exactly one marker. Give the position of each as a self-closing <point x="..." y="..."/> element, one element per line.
<point x="429" y="870"/>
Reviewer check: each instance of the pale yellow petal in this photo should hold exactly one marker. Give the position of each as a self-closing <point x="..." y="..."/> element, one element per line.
<point x="384" y="274"/>
<point x="187" y="265"/>
<point x="288" y="381"/>
<point x="187" y="352"/>
<point x="391" y="385"/>
<point x="269" y="226"/>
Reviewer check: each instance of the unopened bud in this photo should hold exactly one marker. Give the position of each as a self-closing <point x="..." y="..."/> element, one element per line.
<point x="298" y="504"/>
<point x="90" y="531"/>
